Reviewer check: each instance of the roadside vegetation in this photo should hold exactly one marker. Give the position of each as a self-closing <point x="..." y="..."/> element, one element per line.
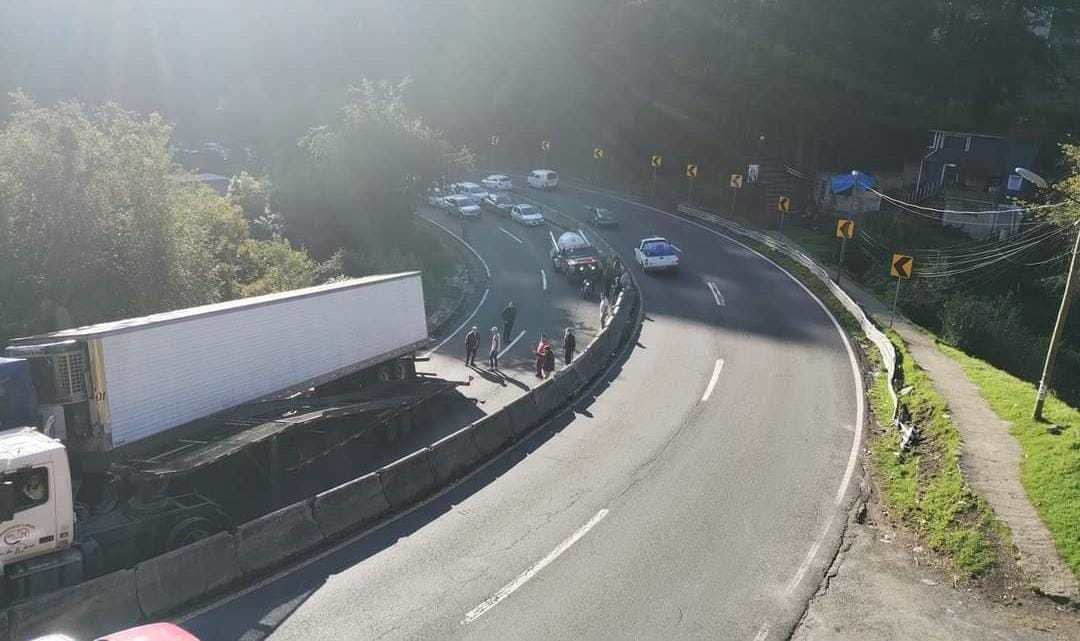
<point x="923" y="486"/>
<point x="1050" y="467"/>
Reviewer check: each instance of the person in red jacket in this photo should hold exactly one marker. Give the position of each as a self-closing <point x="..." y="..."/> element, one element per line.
<point x="541" y="351"/>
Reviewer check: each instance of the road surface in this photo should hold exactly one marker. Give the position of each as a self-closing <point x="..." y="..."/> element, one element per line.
<point x="699" y="494"/>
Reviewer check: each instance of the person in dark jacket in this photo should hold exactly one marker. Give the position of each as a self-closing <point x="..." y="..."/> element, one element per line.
<point x="569" y="344"/>
<point x="509" y="315"/>
<point x="549" y="361"/>
<point x="472" y="344"/>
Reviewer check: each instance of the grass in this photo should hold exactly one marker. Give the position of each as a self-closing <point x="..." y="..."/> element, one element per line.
<point x="1050" y="468"/>
<point x="924" y="486"/>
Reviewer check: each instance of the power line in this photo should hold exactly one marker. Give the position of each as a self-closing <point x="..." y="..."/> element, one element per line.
<point x="902" y="203"/>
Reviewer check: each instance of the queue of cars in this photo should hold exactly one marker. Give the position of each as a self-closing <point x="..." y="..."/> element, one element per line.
<point x="468" y="199"/>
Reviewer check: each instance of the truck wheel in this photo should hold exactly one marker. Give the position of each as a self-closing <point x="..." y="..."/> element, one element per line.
<point x="189" y="530"/>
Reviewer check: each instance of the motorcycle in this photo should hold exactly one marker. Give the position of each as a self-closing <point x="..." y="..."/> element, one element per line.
<point x="587" y="289"/>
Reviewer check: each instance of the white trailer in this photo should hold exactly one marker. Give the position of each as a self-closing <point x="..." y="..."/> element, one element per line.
<point x="151" y="428"/>
<point x="128" y="381"/>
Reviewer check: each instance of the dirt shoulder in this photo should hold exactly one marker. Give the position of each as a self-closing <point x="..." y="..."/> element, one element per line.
<point x="885" y="586"/>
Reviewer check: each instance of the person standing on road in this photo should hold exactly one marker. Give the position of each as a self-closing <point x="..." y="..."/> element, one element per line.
<point x="509" y="315"/>
<point x="569" y="343"/>
<point x="472" y="344"/>
<point x="605" y="309"/>
<point x="549" y="361"/>
<point x="493" y="356"/>
<point x="541" y="350"/>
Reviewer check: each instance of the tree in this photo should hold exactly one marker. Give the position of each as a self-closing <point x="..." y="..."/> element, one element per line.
<point x="97" y="223"/>
<point x="353" y="184"/>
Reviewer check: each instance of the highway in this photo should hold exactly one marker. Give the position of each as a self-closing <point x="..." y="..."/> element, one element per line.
<point x="699" y="494"/>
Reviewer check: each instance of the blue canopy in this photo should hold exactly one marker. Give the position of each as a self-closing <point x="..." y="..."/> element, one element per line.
<point x="842" y="183"/>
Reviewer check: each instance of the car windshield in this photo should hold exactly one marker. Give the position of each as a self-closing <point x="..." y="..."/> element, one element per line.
<point x="527" y="210"/>
<point x="581" y="252"/>
<point x="658" y="248"/>
<point x="603" y="214"/>
<point x="499" y="199"/>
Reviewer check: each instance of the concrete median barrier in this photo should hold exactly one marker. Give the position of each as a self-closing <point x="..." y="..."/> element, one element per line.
<point x="522" y="415"/>
<point x="349" y="505"/>
<point x="453" y="455"/>
<point x="174" y="579"/>
<point x="492" y="432"/>
<point x="589" y="364"/>
<point x="570" y="382"/>
<point x="84" y="611"/>
<point x="275" y="537"/>
<point x="408" y="479"/>
<point x="547" y="398"/>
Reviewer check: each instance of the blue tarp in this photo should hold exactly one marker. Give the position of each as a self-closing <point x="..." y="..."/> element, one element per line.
<point x="841" y="183"/>
<point x="18" y="401"/>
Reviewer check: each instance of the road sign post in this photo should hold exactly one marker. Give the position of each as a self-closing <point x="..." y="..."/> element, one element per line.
<point x="845" y="229"/>
<point x="691" y="174"/>
<point x="900" y="268"/>
<point x="783" y="206"/>
<point x="656" y="161"/>
<point x="545" y="146"/>
<point x="736" y="184"/>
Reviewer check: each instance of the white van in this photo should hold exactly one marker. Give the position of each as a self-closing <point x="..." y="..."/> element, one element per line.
<point x="543" y="179"/>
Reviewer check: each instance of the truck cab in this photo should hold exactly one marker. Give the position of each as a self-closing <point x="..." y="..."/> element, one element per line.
<point x="656" y="254"/>
<point x="573" y="255"/>
<point x="37" y="514"/>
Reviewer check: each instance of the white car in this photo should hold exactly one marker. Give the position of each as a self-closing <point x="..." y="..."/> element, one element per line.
<point x="435" y="198"/>
<point x="497" y="182"/>
<point x="462" y="205"/>
<point x="469" y="189"/>
<point x="543" y="179"/>
<point x="655" y="254"/>
<point x="527" y="215"/>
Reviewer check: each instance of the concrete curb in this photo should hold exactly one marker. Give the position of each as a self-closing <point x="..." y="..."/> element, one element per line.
<point x="175" y="579"/>
<point x="349" y="505"/>
<point x="455" y="454"/>
<point x="407" y="479"/>
<point x="87" y="610"/>
<point x="276" y="537"/>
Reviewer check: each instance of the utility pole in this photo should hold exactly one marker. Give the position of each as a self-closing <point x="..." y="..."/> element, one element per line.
<point x="1059" y="329"/>
<point x="1066" y="300"/>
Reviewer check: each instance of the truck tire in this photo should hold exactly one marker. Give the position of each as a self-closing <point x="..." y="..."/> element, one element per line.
<point x="189" y="530"/>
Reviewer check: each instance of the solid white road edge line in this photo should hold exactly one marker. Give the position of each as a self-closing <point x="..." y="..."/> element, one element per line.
<point x="483" y="298"/>
<point x="712" y="381"/>
<point x="510" y="235"/>
<point x="524" y="577"/>
<point x="512" y="343"/>
<point x="463" y="324"/>
<point x="859" y="400"/>
<point x="543" y="280"/>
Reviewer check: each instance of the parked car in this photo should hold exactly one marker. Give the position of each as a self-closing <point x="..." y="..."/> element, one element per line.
<point x="462" y="205"/>
<point x="543" y="179"/>
<point x="469" y="189"/>
<point x="497" y="204"/>
<point x="497" y="182"/>
<point x="527" y="215"/>
<point x="600" y="217"/>
<point x="656" y="253"/>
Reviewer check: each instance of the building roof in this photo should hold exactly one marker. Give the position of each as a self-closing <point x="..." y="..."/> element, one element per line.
<point x="164" y="318"/>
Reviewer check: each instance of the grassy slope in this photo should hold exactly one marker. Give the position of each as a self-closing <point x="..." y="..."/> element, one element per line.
<point x="1050" y="469"/>
<point x="924" y="485"/>
<point x="924" y="488"/>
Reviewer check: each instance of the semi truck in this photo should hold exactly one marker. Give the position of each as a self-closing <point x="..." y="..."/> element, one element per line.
<point x="126" y="439"/>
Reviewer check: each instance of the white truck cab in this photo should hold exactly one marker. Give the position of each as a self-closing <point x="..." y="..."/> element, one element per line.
<point x="656" y="254"/>
<point x="36" y="511"/>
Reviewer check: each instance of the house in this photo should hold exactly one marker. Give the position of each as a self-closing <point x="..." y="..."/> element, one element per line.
<point x="973" y="177"/>
<point x="980" y="165"/>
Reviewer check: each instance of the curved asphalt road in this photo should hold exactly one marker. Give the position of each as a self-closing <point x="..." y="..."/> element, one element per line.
<point x="688" y="499"/>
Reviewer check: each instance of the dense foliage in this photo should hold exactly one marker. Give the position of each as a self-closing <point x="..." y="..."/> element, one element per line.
<point x="98" y="222"/>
